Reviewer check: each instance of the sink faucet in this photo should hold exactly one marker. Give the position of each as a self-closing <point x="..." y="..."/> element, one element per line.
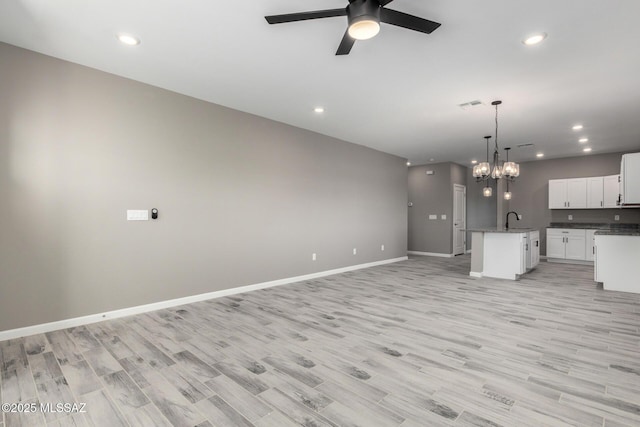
<point x="509" y="213"/>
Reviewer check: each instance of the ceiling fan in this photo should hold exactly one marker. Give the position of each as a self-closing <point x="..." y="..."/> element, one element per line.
<point x="364" y="17"/>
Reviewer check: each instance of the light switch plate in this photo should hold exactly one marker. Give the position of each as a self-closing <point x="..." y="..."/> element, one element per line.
<point x="137" y="215"/>
<point x="443" y="216"/>
<point x="433" y="216"/>
<point x="616" y="218"/>
<point x="570" y="217"/>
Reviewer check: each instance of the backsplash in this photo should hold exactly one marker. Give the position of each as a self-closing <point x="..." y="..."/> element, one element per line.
<point x="599" y="216"/>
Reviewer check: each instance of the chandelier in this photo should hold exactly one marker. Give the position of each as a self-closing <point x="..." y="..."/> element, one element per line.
<point x="485" y="171"/>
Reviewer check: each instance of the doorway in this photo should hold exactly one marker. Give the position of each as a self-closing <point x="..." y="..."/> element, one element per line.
<point x="459" y="219"/>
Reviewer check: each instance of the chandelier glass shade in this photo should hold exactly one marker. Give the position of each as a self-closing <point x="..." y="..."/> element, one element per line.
<point x="496" y="170"/>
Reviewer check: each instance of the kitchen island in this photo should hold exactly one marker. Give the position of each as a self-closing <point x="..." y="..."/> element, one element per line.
<point x="504" y="253"/>
<point x="617" y="259"/>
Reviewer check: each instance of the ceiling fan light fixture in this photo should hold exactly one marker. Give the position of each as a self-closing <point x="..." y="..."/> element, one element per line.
<point x="364" y="28"/>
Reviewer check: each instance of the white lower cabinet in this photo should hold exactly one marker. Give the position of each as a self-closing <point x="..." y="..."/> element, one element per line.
<point x="591" y="244"/>
<point x="568" y="244"/>
<point x="616" y="264"/>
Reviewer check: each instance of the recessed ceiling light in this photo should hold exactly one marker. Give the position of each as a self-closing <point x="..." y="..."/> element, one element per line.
<point x="128" y="39"/>
<point x="577" y="127"/>
<point x="319" y="110"/>
<point x="473" y="162"/>
<point x="408" y="163"/>
<point x="432" y="160"/>
<point x="586" y="150"/>
<point x="583" y="140"/>
<point x="534" y="39"/>
<point x="540" y="155"/>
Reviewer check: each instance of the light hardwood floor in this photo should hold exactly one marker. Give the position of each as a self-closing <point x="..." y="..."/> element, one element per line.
<point x="416" y="343"/>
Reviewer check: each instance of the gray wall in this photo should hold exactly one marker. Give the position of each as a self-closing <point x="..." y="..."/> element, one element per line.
<point x="433" y="194"/>
<point x="531" y="192"/>
<point x="481" y="211"/>
<point x="242" y="199"/>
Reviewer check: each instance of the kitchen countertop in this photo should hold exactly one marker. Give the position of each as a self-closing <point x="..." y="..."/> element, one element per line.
<point x="619" y="232"/>
<point x="595" y="226"/>
<point x="501" y="230"/>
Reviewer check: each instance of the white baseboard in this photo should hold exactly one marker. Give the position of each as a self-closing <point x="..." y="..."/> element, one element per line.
<point x="475" y="274"/>
<point x="129" y="311"/>
<point x="569" y="261"/>
<point x="430" y="254"/>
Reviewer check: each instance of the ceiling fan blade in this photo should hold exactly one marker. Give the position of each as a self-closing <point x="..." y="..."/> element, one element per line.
<point x="384" y="2"/>
<point x="346" y="44"/>
<point x="303" y="16"/>
<point x="404" y="20"/>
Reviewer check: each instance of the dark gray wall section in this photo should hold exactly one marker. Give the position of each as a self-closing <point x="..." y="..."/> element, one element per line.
<point x="433" y="195"/>
<point x="481" y="211"/>
<point x="531" y="192"/>
<point x="242" y="199"/>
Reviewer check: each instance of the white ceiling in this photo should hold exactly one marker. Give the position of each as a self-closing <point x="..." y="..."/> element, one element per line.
<point x="398" y="92"/>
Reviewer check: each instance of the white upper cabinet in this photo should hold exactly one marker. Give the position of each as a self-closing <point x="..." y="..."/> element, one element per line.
<point x="595" y="192"/>
<point x="577" y="193"/>
<point x="557" y="194"/>
<point x="568" y="193"/>
<point x="611" y="191"/>
<point x="630" y="182"/>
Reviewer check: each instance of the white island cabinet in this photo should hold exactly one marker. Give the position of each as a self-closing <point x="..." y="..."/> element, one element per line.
<point x="503" y="253"/>
<point x="617" y="260"/>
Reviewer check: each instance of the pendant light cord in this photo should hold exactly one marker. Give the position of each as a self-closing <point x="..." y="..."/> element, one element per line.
<point x="496" y="127"/>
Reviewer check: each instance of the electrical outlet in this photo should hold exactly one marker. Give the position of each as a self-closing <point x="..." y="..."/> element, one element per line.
<point x="443" y="216"/>
<point x="382" y="247"/>
<point x="616" y="218"/>
<point x="313" y="257"/>
<point x="519" y="216"/>
<point x="570" y="217"/>
<point x="355" y="251"/>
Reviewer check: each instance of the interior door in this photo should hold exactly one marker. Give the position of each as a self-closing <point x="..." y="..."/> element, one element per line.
<point x="459" y="218"/>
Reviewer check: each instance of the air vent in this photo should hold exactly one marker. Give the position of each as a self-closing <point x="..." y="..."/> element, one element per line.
<point x="470" y="104"/>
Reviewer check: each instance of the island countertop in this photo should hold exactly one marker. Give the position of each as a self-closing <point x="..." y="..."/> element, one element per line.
<point x="500" y="230"/>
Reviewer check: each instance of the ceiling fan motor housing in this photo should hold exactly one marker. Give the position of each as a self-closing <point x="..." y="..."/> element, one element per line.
<point x="363" y="10"/>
